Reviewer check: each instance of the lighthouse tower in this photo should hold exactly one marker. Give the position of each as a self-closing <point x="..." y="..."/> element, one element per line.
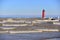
<point x="43" y="14"/>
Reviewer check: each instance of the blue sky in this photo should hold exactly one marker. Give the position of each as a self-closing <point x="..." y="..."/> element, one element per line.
<point x="29" y="7"/>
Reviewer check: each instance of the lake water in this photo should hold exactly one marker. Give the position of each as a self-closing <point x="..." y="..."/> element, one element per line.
<point x="31" y="36"/>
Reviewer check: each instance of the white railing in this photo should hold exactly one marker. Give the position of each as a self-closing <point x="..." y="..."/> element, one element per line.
<point x="14" y="24"/>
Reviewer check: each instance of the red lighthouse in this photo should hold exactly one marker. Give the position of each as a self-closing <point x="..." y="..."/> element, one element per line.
<point x="43" y="14"/>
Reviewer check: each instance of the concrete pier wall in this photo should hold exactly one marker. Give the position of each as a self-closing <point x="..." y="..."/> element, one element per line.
<point x="38" y="30"/>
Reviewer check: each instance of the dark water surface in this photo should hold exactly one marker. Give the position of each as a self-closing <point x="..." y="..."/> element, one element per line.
<point x="31" y="36"/>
